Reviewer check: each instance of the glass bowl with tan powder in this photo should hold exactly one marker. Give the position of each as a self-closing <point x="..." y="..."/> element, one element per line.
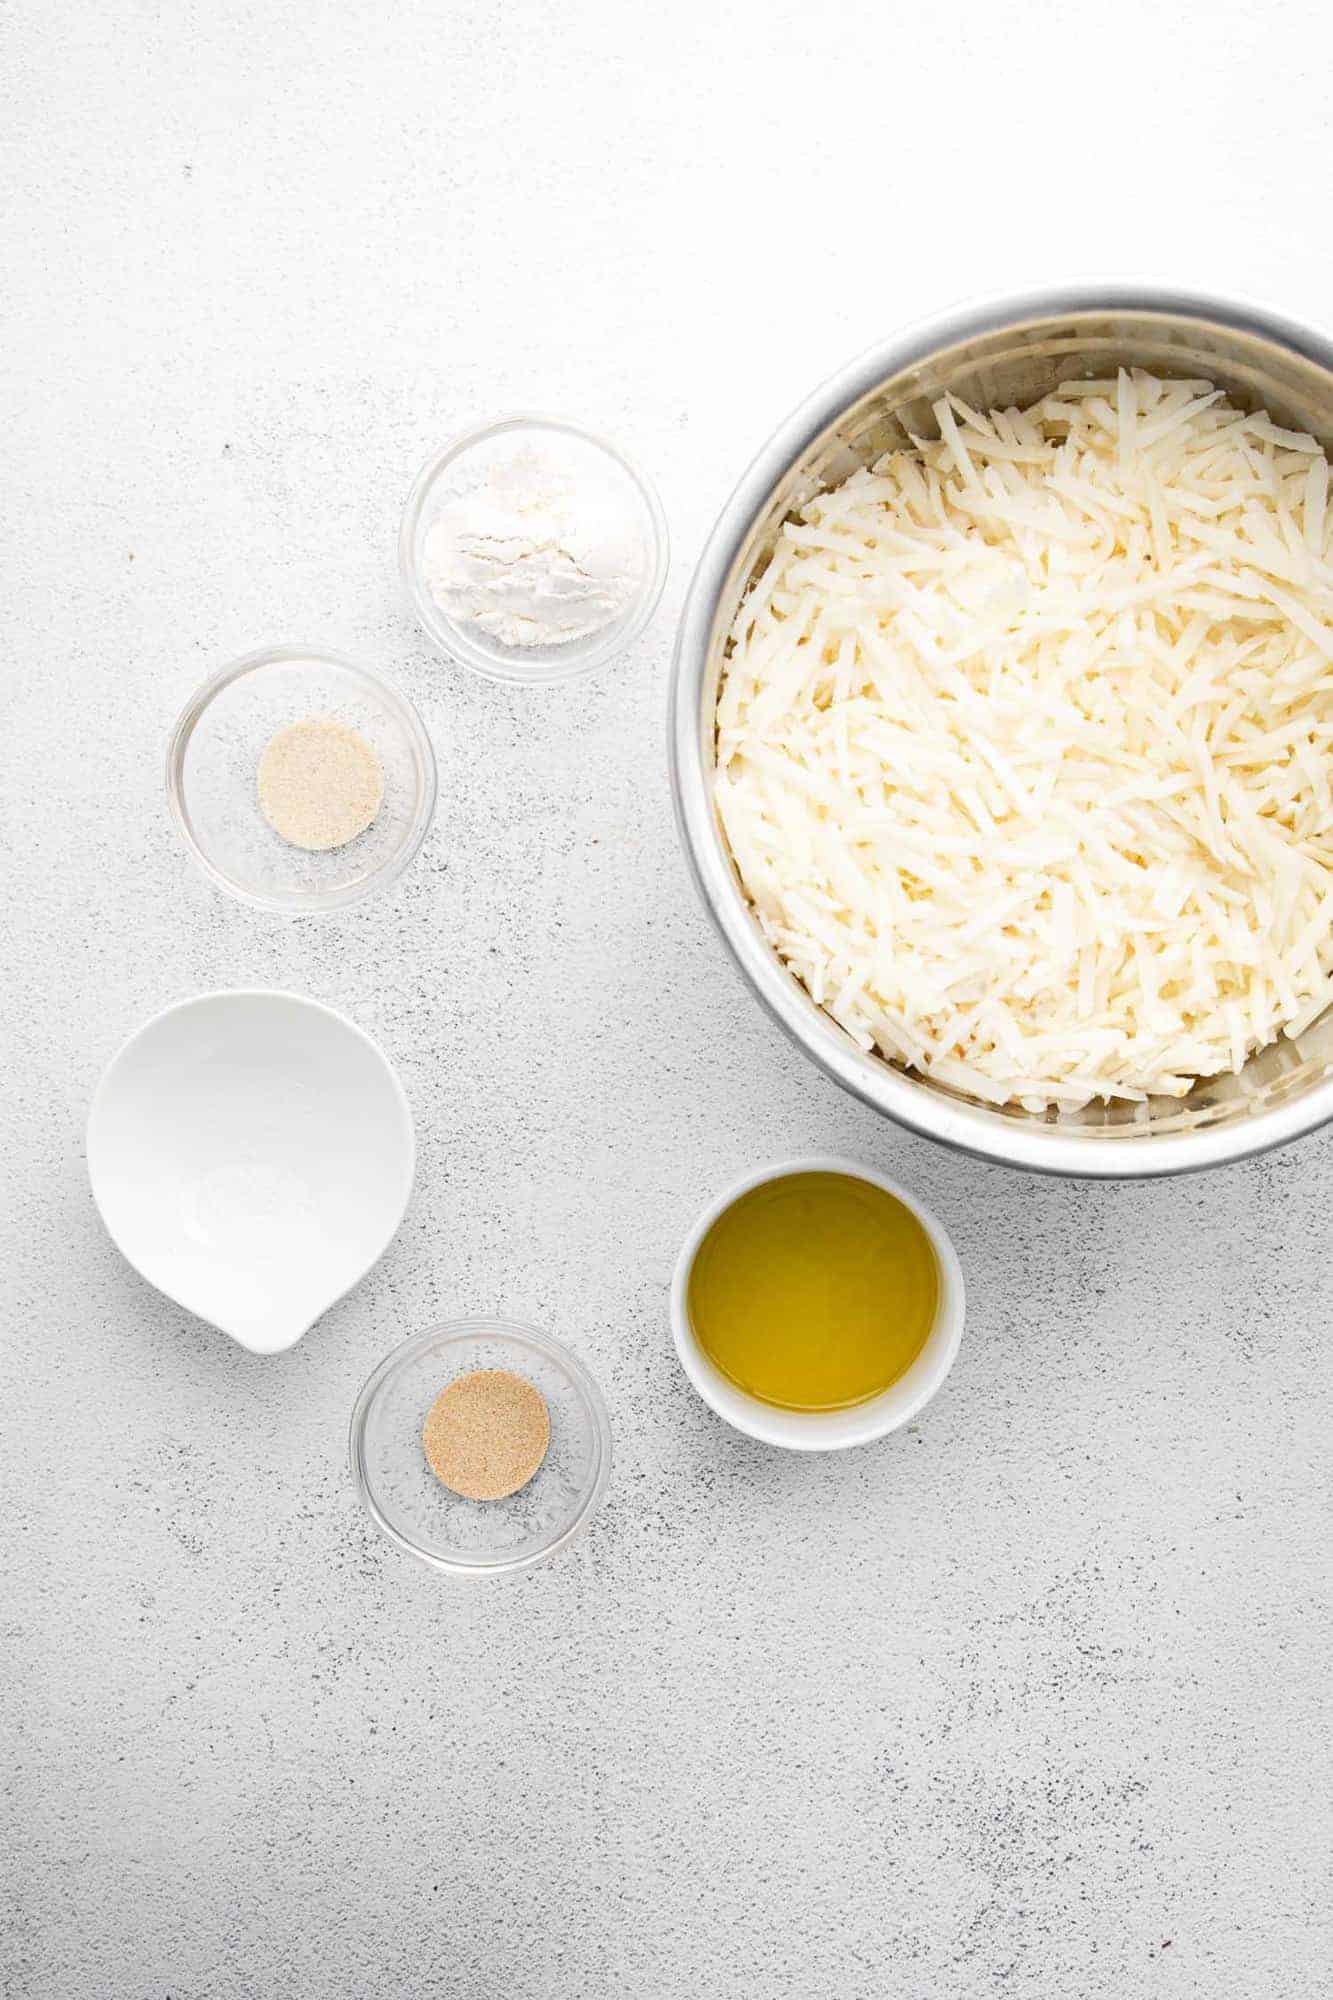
<point x="300" y="781"/>
<point x="481" y="1407"/>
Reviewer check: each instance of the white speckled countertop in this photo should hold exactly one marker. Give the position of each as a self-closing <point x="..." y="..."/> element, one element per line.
<point x="1031" y="1700"/>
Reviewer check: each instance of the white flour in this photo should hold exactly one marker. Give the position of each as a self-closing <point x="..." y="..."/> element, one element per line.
<point x="538" y="555"/>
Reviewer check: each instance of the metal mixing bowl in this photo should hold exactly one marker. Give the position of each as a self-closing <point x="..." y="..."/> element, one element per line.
<point x="1010" y="351"/>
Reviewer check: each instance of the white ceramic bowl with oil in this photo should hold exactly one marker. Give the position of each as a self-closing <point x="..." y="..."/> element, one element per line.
<point x="823" y="1430"/>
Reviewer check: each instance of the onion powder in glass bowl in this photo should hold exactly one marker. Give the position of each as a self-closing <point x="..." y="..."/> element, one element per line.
<point x="479" y="1538"/>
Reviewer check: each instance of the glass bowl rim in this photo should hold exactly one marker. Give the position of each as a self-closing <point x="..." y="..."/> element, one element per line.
<point x="405" y="713"/>
<point x="450" y="1331"/>
<point x="448" y="636"/>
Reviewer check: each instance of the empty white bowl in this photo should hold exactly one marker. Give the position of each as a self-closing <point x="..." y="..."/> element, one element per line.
<point x="251" y="1154"/>
<point x="823" y="1430"/>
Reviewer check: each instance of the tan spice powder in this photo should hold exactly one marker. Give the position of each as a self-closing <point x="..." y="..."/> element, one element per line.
<point x="486" y="1434"/>
<point x="320" y="784"/>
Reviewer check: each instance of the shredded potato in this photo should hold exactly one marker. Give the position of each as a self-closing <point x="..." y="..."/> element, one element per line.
<point x="1023" y="744"/>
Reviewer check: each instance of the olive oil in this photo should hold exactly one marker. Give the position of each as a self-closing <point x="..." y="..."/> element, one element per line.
<point x="814" y="1291"/>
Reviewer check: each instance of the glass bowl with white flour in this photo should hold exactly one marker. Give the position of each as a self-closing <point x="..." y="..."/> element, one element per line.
<point x="531" y="550"/>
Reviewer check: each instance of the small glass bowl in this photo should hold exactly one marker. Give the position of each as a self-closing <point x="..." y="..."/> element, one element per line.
<point x="479" y="1538"/>
<point x="213" y="766"/>
<point x="457" y="469"/>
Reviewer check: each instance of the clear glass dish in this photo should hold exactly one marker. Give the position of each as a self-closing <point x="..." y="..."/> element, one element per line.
<point x="479" y="1538"/>
<point x="463" y="465"/>
<point x="212" y="778"/>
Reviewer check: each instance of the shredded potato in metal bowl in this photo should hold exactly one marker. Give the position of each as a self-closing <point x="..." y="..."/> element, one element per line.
<point x="1025" y="744"/>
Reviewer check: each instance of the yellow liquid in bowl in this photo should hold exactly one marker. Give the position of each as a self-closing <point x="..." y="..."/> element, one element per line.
<point x="814" y="1292"/>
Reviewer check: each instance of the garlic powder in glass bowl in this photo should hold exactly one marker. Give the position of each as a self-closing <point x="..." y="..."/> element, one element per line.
<point x="214" y="763"/>
<point x="479" y="1538"/>
<point x="531" y="550"/>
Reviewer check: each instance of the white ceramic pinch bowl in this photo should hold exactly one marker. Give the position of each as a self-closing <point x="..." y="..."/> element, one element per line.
<point x="251" y="1154"/>
<point x="823" y="1430"/>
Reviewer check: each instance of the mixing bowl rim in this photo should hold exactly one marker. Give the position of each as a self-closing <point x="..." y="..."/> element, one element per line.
<point x="967" y="1128"/>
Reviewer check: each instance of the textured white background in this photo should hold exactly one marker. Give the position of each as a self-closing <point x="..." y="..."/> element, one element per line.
<point x="1029" y="1701"/>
